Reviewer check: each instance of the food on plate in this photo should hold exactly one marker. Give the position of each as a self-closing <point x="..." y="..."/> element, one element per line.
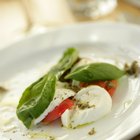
<point x="76" y="90"/>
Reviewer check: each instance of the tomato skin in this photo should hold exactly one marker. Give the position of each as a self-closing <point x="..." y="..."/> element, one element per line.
<point x="58" y="111"/>
<point x="101" y="84"/>
<point x="110" y="86"/>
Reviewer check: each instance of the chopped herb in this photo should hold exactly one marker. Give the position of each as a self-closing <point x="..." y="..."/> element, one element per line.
<point x="23" y="135"/>
<point x="75" y="88"/>
<point x="83" y="105"/>
<point x="51" y="138"/>
<point x="92" y="131"/>
<point x="132" y="69"/>
<point x="14" y="131"/>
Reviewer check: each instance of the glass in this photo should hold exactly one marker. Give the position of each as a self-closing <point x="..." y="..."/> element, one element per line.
<point x="92" y="8"/>
<point x="46" y="13"/>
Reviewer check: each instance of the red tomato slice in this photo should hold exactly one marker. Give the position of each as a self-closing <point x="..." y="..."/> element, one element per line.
<point x="100" y="83"/>
<point x="58" y="111"/>
<point x="110" y="86"/>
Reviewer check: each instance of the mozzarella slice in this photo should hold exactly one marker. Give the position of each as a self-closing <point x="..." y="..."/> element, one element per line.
<point x="92" y="103"/>
<point x="60" y="95"/>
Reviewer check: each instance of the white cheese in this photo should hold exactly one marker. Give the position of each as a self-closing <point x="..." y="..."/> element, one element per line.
<point x="98" y="103"/>
<point x="65" y="118"/>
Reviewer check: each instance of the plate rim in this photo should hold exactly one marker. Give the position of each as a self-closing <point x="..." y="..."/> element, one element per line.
<point x="71" y="26"/>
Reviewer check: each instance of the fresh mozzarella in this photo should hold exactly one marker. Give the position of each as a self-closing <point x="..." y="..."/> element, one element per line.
<point x="60" y="95"/>
<point x="92" y="103"/>
<point x="65" y="118"/>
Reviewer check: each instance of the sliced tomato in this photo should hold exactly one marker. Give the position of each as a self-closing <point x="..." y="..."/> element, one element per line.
<point x="99" y="83"/>
<point x="58" y="111"/>
<point x="110" y="86"/>
<point x="82" y="84"/>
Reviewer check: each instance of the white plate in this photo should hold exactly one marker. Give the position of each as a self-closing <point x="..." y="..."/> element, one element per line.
<point x="23" y="62"/>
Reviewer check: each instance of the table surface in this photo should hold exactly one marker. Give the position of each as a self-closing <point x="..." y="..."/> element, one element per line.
<point x="19" y="19"/>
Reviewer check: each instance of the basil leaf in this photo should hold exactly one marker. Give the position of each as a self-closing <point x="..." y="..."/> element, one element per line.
<point x="66" y="62"/>
<point x="37" y="97"/>
<point x="95" y="72"/>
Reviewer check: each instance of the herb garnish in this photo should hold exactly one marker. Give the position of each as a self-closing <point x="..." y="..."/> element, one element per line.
<point x="132" y="69"/>
<point x="96" y="72"/>
<point x="92" y="131"/>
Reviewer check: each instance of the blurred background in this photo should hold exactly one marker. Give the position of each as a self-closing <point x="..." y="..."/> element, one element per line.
<point x="22" y="18"/>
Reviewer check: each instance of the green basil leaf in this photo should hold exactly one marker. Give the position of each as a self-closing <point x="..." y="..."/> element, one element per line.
<point x="37" y="97"/>
<point x="95" y="72"/>
<point x="66" y="62"/>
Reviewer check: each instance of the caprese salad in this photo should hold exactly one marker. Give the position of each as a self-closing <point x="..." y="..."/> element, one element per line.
<point x="76" y="90"/>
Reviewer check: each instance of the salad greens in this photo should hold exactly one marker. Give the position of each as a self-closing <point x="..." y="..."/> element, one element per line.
<point x="37" y="97"/>
<point x="95" y="72"/>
